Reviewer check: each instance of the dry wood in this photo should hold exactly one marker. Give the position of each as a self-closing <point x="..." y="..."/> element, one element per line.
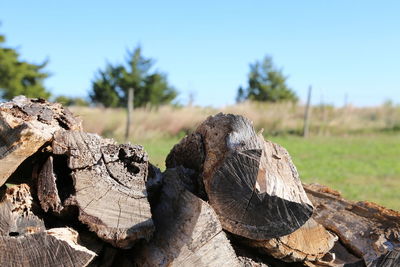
<point x="367" y="230"/>
<point x="24" y="241"/>
<point x="389" y="259"/>
<point x="47" y="191"/>
<point x="109" y="183"/>
<point x="252" y="184"/>
<point x="188" y="232"/>
<point x="338" y="256"/>
<point x="308" y="243"/>
<point x="25" y="126"/>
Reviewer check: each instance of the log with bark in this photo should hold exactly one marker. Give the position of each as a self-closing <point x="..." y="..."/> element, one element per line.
<point x="367" y="230"/>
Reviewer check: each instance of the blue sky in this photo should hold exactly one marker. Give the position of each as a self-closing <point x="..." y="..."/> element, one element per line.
<point x="340" y="47"/>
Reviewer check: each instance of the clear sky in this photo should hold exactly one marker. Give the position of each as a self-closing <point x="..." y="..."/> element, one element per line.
<point x="340" y="47"/>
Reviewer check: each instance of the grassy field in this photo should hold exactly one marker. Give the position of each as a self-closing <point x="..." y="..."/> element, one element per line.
<point x="362" y="167"/>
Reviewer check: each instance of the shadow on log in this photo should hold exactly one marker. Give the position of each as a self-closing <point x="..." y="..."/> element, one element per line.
<point x="252" y="184"/>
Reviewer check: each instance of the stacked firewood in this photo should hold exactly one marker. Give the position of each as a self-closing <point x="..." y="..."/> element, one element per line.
<point x="227" y="198"/>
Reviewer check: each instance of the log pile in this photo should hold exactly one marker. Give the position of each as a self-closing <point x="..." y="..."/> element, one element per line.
<point x="227" y="198"/>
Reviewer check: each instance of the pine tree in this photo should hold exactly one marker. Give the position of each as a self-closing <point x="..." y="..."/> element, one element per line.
<point x="110" y="86"/>
<point x="266" y="83"/>
<point x="20" y="77"/>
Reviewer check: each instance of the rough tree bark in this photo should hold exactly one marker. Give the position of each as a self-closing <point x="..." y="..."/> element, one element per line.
<point x="188" y="232"/>
<point x="24" y="241"/>
<point x="25" y="126"/>
<point x="47" y="191"/>
<point x="252" y="184"/>
<point x="109" y="186"/>
<point x="366" y="229"/>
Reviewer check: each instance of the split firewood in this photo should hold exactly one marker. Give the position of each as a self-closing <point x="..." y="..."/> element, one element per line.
<point x="25" y="126"/>
<point x="109" y="186"/>
<point x="24" y="241"/>
<point x="311" y="242"/>
<point x="308" y="243"/>
<point x="47" y="191"/>
<point x="367" y="230"/>
<point x="188" y="232"/>
<point x="252" y="184"/>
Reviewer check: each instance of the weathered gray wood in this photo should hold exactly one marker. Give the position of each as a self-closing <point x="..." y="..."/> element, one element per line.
<point x="16" y="217"/>
<point x="47" y="191"/>
<point x="311" y="242"/>
<point x="24" y="241"/>
<point x="252" y="184"/>
<point x="364" y="228"/>
<point x="25" y="126"/>
<point x="389" y="259"/>
<point x="187" y="230"/>
<point x="109" y="182"/>
<point x="54" y="247"/>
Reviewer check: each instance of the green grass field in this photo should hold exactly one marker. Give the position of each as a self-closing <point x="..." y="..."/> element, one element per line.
<point x="362" y="167"/>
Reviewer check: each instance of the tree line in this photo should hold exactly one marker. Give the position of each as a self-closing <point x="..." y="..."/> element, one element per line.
<point x="111" y="83"/>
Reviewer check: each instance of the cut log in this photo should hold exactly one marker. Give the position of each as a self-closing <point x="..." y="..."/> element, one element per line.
<point x="252" y="184"/>
<point x="109" y="183"/>
<point x="366" y="229"/>
<point x="308" y="243"/>
<point x="24" y="241"/>
<point x="25" y="126"/>
<point x="54" y="247"/>
<point x="188" y="232"/>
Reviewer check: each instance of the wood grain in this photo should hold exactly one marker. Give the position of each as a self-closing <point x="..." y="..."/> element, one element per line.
<point x="188" y="232"/>
<point x="252" y="184"/>
<point x="109" y="186"/>
<point x="366" y="229"/>
<point x="24" y="241"/>
<point x="25" y="126"/>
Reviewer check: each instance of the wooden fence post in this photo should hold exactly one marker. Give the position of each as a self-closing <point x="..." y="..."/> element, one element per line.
<point x="129" y="110"/>
<point x="307" y="114"/>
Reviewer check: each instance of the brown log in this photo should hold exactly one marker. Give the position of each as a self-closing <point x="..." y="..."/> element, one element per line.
<point x="188" y="232"/>
<point x="367" y="230"/>
<point x="252" y="184"/>
<point x="308" y="243"/>
<point x="109" y="186"/>
<point x="24" y="241"/>
<point x="25" y="126"/>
